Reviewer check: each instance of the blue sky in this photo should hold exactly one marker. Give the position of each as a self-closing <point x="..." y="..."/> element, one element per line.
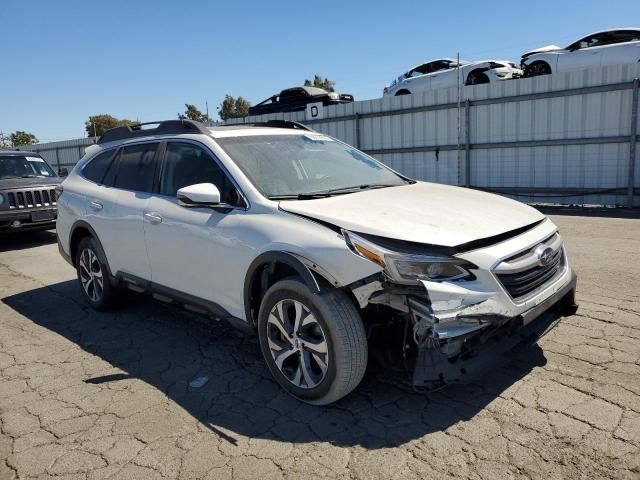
<point x="65" y="60"/>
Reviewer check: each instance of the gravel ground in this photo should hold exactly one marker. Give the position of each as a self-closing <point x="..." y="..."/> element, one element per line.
<point x="87" y="395"/>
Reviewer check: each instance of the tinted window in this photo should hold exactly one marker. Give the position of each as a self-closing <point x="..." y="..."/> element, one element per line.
<point x="441" y="65"/>
<point x="621" y="36"/>
<point x="188" y="164"/>
<point x="293" y="95"/>
<point x="421" y="70"/>
<point x="136" y="167"/>
<point x="97" y="167"/>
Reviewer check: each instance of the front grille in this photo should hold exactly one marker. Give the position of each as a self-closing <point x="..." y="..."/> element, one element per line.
<point x="522" y="274"/>
<point x="521" y="283"/>
<point x="32" y="198"/>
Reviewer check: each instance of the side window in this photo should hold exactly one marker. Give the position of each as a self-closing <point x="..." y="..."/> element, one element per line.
<point x="441" y="65"/>
<point x="135" y="168"/>
<point x="96" y="168"/>
<point x="587" y="42"/>
<point x="621" y="36"/>
<point x="188" y="164"/>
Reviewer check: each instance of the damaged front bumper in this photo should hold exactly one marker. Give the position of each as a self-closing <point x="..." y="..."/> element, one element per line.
<point x="454" y="350"/>
<point x="460" y="329"/>
<point x="452" y="326"/>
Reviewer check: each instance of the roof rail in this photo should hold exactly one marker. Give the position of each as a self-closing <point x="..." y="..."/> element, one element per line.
<point x="166" y="127"/>
<point x="272" y="124"/>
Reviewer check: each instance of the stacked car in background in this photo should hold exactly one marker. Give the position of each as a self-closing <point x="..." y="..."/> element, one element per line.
<point x="599" y="49"/>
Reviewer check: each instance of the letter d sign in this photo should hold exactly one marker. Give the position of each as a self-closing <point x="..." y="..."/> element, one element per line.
<point x="314" y="111"/>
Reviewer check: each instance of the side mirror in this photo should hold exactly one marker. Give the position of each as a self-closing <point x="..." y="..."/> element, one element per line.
<point x="63" y="172"/>
<point x="199" y="195"/>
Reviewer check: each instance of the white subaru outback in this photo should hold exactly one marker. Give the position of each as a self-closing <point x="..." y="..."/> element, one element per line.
<point x="313" y="244"/>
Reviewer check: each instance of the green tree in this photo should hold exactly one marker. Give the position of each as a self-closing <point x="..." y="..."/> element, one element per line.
<point x="320" y="82"/>
<point x="193" y="113"/>
<point x="233" y="107"/>
<point x="22" y="138"/>
<point x="98" y="124"/>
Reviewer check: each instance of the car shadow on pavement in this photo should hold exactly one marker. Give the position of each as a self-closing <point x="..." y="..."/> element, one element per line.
<point x="24" y="240"/>
<point x="168" y="348"/>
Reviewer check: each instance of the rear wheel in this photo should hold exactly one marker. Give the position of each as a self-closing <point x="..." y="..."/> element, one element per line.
<point x="402" y="92"/>
<point x="314" y="345"/>
<point x="477" y="78"/>
<point x="93" y="275"/>
<point x="538" y="68"/>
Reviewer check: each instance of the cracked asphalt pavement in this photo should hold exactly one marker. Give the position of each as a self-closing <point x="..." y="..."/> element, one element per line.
<point x="89" y="395"/>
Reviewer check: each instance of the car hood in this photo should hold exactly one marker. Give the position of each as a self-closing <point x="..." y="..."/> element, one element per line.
<point x="426" y="213"/>
<point x="548" y="48"/>
<point x="13" y="183"/>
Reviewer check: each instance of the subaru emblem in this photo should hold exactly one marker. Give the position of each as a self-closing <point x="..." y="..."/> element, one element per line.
<point x="545" y="255"/>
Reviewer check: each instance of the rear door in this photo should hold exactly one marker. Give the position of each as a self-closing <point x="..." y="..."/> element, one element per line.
<point x="624" y="47"/>
<point x="116" y="208"/>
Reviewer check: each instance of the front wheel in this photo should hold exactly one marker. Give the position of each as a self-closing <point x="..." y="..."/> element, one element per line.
<point x="314" y="345"/>
<point x="537" y="68"/>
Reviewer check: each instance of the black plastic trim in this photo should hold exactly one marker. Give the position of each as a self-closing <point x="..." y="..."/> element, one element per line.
<point x="85" y="225"/>
<point x="175" y="295"/>
<point x="269" y="260"/>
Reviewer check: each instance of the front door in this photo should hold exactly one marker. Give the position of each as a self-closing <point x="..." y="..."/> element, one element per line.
<point x="197" y="251"/>
<point x="585" y="53"/>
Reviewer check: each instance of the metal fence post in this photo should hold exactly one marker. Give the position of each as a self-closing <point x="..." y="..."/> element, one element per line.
<point x="356" y="119"/>
<point x="467" y="143"/>
<point x="57" y="159"/>
<point x="634" y="140"/>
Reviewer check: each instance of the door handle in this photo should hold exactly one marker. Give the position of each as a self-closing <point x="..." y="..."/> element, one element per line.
<point x="95" y="205"/>
<point x="153" y="218"/>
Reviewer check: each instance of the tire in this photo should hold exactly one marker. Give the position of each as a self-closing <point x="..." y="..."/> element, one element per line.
<point x="93" y="275"/>
<point x="399" y="93"/>
<point x="477" y="79"/>
<point x="327" y="321"/>
<point x="538" y="68"/>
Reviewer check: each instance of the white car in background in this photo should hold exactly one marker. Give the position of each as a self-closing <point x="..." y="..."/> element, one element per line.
<point x="608" y="47"/>
<point x="447" y="72"/>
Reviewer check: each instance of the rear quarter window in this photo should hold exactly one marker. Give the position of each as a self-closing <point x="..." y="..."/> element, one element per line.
<point x="96" y="168"/>
<point x="136" y="167"/>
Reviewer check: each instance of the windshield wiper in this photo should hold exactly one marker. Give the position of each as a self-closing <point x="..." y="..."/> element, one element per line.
<point x="331" y="192"/>
<point x="342" y="190"/>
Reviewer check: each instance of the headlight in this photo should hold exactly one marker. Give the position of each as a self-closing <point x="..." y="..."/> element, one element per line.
<point x="334" y="96"/>
<point x="409" y="268"/>
<point x="1" y="199"/>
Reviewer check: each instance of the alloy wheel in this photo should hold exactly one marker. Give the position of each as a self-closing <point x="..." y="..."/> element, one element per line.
<point x="91" y="275"/>
<point x="297" y="343"/>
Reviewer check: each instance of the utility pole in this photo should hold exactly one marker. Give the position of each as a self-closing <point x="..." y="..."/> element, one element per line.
<point x="459" y="117"/>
